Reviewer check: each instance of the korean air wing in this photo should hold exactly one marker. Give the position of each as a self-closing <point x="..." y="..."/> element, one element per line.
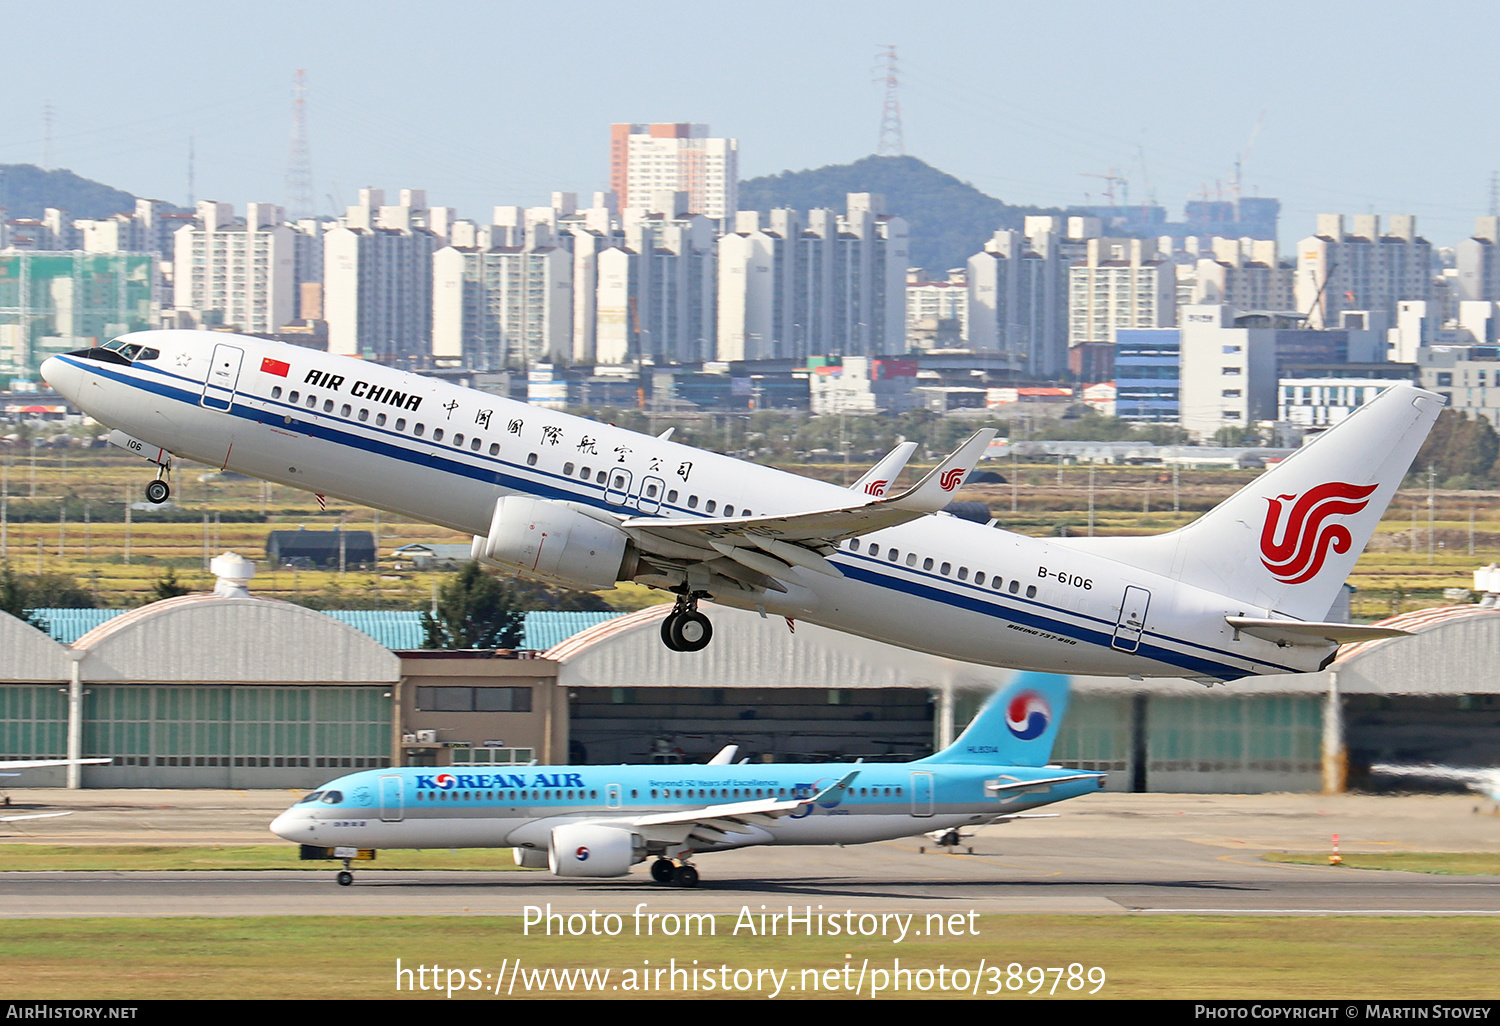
<point x="599" y="821"/>
<point x="1243" y="590"/>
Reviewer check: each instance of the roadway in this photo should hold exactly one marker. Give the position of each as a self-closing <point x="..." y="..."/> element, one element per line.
<point x="1105" y="853"/>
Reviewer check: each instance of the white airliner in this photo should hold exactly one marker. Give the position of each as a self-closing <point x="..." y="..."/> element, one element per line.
<point x="598" y="821"/>
<point x="1243" y="590"/>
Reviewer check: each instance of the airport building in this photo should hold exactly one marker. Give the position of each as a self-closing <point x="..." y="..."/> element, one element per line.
<point x="231" y="690"/>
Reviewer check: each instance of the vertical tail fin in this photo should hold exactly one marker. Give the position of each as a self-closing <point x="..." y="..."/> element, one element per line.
<point x="1288" y="540"/>
<point x="1016" y="727"/>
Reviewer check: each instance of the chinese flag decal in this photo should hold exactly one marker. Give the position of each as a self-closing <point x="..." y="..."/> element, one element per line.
<point x="277" y="367"/>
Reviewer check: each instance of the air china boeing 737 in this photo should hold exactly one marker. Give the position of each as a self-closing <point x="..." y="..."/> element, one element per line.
<point x="1242" y="590"/>
<point x="598" y="821"/>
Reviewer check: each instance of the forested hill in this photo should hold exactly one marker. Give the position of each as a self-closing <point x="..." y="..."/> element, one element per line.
<point x="949" y="220"/>
<point x="26" y="190"/>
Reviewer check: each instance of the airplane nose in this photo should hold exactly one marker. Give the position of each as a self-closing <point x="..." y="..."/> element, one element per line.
<point x="64" y="377"/>
<point x="291" y="825"/>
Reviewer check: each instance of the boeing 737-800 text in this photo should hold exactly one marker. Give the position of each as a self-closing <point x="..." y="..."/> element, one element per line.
<point x="1242" y="590"/>
<point x="598" y="821"/>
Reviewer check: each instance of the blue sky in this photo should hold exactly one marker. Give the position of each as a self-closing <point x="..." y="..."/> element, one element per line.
<point x="1362" y="107"/>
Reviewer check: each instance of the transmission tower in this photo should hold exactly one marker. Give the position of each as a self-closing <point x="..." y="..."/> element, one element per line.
<point x="299" y="182"/>
<point x="891" y="139"/>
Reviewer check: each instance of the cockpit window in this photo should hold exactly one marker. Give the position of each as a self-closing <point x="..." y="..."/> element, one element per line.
<point x="311" y="798"/>
<point x="147" y="353"/>
<point x="332" y="797"/>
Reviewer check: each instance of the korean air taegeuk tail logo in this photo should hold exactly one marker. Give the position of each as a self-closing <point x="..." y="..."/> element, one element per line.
<point x="1306" y="537"/>
<point x="1027" y="715"/>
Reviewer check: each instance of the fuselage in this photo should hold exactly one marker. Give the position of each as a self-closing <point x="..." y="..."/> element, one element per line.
<point x="521" y="806"/>
<point x="443" y="453"/>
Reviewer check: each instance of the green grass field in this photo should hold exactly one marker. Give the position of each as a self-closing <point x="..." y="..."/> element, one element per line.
<point x="1181" y="957"/>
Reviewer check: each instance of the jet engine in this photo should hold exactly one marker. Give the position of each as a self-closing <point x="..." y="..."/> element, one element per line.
<point x="555" y="543"/>
<point x="593" y="849"/>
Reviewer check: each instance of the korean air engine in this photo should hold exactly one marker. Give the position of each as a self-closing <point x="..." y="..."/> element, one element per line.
<point x="555" y="543"/>
<point x="592" y="849"/>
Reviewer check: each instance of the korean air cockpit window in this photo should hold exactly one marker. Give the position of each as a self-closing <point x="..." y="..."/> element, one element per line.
<point x="311" y="798"/>
<point x="332" y="797"/>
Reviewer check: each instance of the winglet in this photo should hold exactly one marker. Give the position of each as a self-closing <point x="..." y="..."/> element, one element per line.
<point x="936" y="490"/>
<point x="833" y="793"/>
<point x="878" y="479"/>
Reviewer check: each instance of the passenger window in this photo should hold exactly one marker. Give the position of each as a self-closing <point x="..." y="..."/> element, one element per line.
<point x="585" y="473"/>
<point x="531" y="459"/>
<point x="474" y="445"/>
<point x="729" y="511"/>
<point x="927" y="563"/>
<point x="276" y="392"/>
<point x="619" y="480"/>
<point x="294" y="397"/>
<point x="911" y="559"/>
<point x="494" y="448"/>
<point x="963" y="572"/>
<point x="854" y="545"/>
<point x="364" y="415"/>
<point x="651" y="491"/>
<point x="978" y="577"/>
<point x="1015" y="586"/>
<point x="745" y="513"/>
<point x="346" y="410"/>
<point x="710" y="505"/>
<point x="312" y="402"/>
<point x="672" y="495"/>
<point x="458" y="439"/>
<point x="379" y="417"/>
<point x="568" y="469"/>
<point x="600" y="478"/>
<point x="327" y="405"/>
<point x="418" y="430"/>
<point x="945" y="569"/>
<point x="893" y="555"/>
<point x="692" y="502"/>
<point x="437" y="434"/>
<point x="874" y="550"/>
<point x="1031" y="591"/>
<point x="400" y="423"/>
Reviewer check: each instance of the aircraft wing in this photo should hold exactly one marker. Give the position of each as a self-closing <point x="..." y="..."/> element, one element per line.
<point x="771" y="545"/>
<point x="34" y="815"/>
<point x="715" y="823"/>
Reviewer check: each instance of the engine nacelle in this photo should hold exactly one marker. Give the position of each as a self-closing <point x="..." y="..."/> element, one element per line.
<point x="593" y="849"/>
<point x="555" y="543"/>
<point x="530" y="858"/>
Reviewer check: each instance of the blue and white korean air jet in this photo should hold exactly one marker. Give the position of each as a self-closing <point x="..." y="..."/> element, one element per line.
<point x="1245" y="589"/>
<point x="598" y="821"/>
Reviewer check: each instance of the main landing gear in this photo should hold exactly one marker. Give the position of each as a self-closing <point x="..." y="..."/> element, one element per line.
<point x="685" y="629"/>
<point x="665" y="871"/>
<point x="159" y="491"/>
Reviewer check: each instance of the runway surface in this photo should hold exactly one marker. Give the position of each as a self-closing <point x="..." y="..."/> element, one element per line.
<point x="1104" y="854"/>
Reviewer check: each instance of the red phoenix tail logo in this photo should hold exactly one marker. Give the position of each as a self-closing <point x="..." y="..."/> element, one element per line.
<point x="1305" y="537"/>
<point x="950" y="480"/>
<point x="876" y="487"/>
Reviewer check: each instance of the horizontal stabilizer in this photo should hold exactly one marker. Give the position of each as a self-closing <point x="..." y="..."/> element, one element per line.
<point x="1301" y="632"/>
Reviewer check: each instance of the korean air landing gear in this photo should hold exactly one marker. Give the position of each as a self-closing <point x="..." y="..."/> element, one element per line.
<point x="345" y="878"/>
<point x="665" y="871"/>
<point x="685" y="629"/>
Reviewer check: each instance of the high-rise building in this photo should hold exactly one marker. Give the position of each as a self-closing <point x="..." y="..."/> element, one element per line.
<point x="504" y="305"/>
<point x="1478" y="262"/>
<point x="1018" y="292"/>
<point x="1361" y="269"/>
<point x="228" y="271"/>
<point x="793" y="285"/>
<point x="680" y="157"/>
<point x="377" y="278"/>
<point x="53" y="302"/>
<point x="1120" y="283"/>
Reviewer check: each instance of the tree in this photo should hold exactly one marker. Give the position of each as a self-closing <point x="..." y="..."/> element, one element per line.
<point x="16" y="598"/>
<point x="167" y="586"/>
<point x="477" y="610"/>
